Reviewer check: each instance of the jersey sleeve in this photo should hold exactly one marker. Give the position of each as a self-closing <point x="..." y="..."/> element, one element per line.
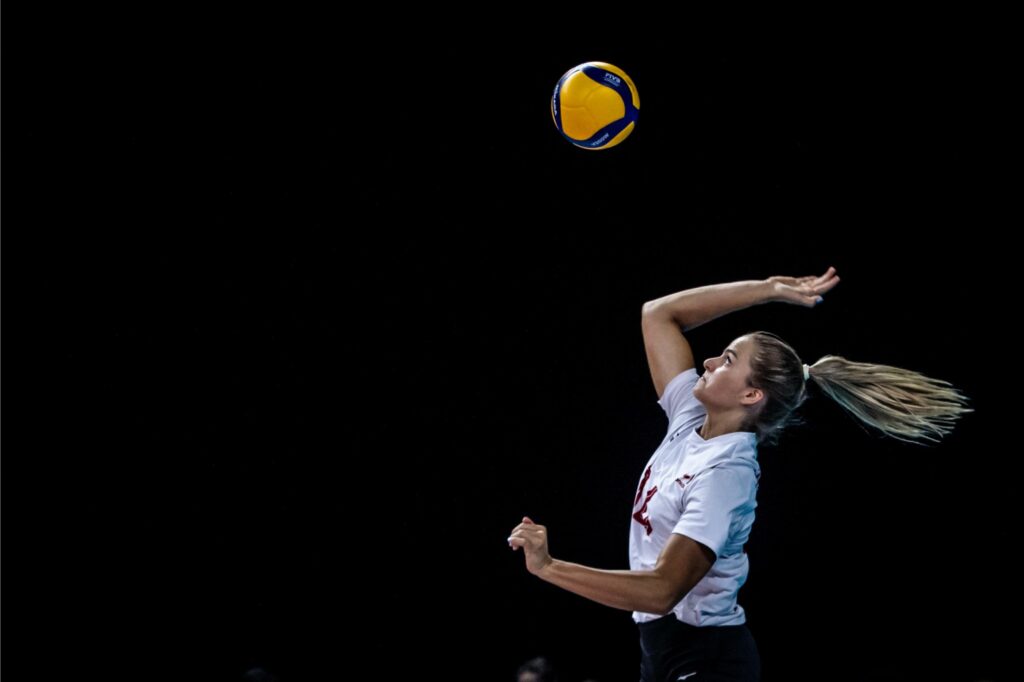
<point x="678" y="400"/>
<point x="713" y="500"/>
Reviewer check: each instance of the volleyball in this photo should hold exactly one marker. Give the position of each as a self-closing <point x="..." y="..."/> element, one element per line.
<point x="595" y="105"/>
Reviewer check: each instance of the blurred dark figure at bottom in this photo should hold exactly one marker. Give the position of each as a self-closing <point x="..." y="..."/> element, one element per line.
<point x="536" y="670"/>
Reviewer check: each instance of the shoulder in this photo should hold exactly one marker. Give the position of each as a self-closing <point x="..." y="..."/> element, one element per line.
<point x="735" y="452"/>
<point x="738" y="474"/>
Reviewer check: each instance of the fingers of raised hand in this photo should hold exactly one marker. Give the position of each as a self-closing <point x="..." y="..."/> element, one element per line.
<point x="529" y="525"/>
<point x="827" y="285"/>
<point x="810" y="300"/>
<point x="829" y="278"/>
<point x="523" y="535"/>
<point x="811" y="288"/>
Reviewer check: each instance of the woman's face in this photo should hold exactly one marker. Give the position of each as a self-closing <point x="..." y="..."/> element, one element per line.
<point x="726" y="379"/>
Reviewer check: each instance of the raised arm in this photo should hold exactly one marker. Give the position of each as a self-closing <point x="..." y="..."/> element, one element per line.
<point x="665" y="319"/>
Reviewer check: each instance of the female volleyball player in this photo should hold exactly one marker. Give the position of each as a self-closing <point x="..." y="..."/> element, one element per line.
<point x="695" y="503"/>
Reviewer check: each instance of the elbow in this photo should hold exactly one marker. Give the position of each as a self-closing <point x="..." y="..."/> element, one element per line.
<point x="657" y="312"/>
<point x="665" y="602"/>
<point x="663" y="607"/>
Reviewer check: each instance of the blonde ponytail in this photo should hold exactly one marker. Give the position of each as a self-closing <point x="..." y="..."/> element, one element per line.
<point x="898" y="402"/>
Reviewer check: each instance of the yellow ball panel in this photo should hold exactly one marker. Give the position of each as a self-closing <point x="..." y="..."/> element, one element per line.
<point x="578" y="123"/>
<point x="577" y="88"/>
<point x="604" y="104"/>
<point x="588" y="106"/>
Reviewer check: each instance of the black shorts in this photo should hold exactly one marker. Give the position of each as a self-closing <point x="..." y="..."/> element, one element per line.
<point x="671" y="651"/>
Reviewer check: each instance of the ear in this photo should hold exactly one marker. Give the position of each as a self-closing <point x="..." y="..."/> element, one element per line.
<point x="752" y="396"/>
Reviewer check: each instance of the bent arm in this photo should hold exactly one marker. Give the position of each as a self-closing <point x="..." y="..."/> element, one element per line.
<point x="693" y="307"/>
<point x="665" y="318"/>
<point x="680" y="566"/>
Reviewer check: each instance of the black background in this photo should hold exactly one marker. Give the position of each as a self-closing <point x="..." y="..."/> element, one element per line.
<point x="316" y="324"/>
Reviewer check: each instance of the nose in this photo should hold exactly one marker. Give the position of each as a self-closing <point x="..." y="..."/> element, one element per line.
<point x="709" y="364"/>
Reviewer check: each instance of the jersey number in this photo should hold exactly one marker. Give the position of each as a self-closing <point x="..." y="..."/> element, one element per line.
<point x="640" y="515"/>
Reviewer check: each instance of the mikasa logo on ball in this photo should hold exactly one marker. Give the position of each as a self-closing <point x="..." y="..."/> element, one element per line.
<point x="613" y="79"/>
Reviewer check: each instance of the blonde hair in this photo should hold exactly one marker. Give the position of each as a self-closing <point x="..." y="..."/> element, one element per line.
<point x="898" y="402"/>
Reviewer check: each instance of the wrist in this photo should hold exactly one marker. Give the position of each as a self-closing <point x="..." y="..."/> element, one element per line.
<point x="545" y="569"/>
<point x="769" y="290"/>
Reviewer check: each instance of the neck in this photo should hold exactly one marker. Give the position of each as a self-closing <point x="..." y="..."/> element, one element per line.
<point x="721" y="424"/>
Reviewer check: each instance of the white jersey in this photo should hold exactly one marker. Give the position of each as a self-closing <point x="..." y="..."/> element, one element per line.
<point x="705" y="490"/>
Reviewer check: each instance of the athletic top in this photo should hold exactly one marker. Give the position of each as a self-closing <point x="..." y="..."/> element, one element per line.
<point x="705" y="490"/>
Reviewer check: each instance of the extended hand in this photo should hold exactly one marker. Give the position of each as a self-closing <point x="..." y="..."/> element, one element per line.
<point x="533" y="538"/>
<point x="804" y="291"/>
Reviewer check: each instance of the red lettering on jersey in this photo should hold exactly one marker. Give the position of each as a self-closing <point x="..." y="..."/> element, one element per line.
<point x="639" y="515"/>
<point x="640" y="488"/>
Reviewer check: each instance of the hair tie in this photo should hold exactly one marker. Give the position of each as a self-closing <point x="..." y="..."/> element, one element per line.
<point x="807" y="372"/>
